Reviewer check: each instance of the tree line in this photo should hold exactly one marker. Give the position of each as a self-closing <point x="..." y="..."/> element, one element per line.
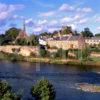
<point x="9" y="37"/>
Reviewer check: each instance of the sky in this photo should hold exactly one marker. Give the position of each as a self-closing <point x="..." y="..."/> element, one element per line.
<point x="50" y="15"/>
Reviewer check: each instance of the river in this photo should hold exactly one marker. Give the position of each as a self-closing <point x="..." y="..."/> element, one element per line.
<point x="22" y="75"/>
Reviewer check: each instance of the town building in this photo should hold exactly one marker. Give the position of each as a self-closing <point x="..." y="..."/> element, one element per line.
<point x="93" y="41"/>
<point x="67" y="42"/>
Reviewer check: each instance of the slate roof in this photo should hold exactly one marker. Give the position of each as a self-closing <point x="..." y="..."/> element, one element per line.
<point x="73" y="38"/>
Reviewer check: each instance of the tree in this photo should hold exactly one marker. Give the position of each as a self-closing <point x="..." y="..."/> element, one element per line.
<point x="43" y="53"/>
<point x="33" y="40"/>
<point x="86" y="53"/>
<point x="67" y="30"/>
<point x="6" y="92"/>
<point x="43" y="90"/>
<point x="44" y="34"/>
<point x="61" y="54"/>
<point x="87" y="33"/>
<point x="12" y="33"/>
<point x="98" y="34"/>
<point x="1" y="38"/>
<point x="22" y="41"/>
<point x="9" y="36"/>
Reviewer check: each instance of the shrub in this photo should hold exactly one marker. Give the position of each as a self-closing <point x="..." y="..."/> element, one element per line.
<point x="32" y="54"/>
<point x="61" y="54"/>
<point x="6" y="92"/>
<point x="43" y="90"/>
<point x="43" y="53"/>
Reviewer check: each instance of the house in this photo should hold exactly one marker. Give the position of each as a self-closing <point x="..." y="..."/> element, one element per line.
<point x="66" y="42"/>
<point x="93" y="41"/>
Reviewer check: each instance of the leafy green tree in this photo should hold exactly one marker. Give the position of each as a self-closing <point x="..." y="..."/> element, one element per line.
<point x="61" y="54"/>
<point x="98" y="34"/>
<point x="44" y="34"/>
<point x="87" y="33"/>
<point x="43" y="52"/>
<point x="21" y="41"/>
<point x="43" y="90"/>
<point x="9" y="36"/>
<point x="67" y="30"/>
<point x="85" y="53"/>
<point x="6" y="92"/>
<point x="12" y="33"/>
<point x="33" y="40"/>
<point x="1" y="39"/>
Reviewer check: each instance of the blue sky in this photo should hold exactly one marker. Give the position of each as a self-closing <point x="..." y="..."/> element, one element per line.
<point x="50" y="15"/>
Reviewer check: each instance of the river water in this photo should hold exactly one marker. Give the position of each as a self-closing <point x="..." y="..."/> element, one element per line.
<point x="22" y="75"/>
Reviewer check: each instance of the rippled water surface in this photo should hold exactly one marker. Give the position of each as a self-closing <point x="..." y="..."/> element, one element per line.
<point x="22" y="75"/>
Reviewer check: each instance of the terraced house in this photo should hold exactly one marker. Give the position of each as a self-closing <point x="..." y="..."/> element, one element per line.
<point x="71" y="41"/>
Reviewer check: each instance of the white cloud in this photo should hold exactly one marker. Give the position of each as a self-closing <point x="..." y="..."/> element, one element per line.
<point x="98" y="28"/>
<point x="73" y="26"/>
<point x="85" y="9"/>
<point x="66" y="19"/>
<point x="42" y="22"/>
<point x="53" y="29"/>
<point x="28" y="20"/>
<point x="53" y="22"/>
<point x="82" y="21"/>
<point x="6" y="10"/>
<point x="38" y="29"/>
<point x="66" y="7"/>
<point x="47" y="14"/>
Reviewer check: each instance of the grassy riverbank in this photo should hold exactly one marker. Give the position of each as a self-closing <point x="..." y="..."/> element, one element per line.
<point x="64" y="61"/>
<point x="74" y="62"/>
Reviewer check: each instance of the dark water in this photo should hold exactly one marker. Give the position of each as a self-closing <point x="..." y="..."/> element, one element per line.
<point x="23" y="75"/>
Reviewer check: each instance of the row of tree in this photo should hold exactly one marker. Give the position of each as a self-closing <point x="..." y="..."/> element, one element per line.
<point x="10" y="36"/>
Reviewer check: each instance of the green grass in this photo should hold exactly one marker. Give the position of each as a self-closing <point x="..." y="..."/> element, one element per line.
<point x="96" y="59"/>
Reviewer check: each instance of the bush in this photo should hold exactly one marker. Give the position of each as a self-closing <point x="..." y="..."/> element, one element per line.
<point x="43" y="90"/>
<point x="21" y="42"/>
<point x="6" y="92"/>
<point x="43" y="53"/>
<point x="32" y="54"/>
<point x="11" y="56"/>
<point x="61" y="54"/>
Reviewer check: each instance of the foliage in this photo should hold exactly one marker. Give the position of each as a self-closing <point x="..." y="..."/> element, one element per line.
<point x="43" y="90"/>
<point x="33" y="40"/>
<point x="67" y="30"/>
<point x="98" y="34"/>
<point x="22" y="41"/>
<point x="12" y="57"/>
<point x="32" y="54"/>
<point x="6" y="92"/>
<point x="43" y="52"/>
<point x="9" y="36"/>
<point x="61" y="53"/>
<point x="87" y="33"/>
<point x="85" y="53"/>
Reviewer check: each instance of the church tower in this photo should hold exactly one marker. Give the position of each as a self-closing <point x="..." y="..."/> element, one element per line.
<point x="22" y="32"/>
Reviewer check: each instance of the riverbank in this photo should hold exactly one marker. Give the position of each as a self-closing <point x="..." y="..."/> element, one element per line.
<point x="74" y="62"/>
<point x="64" y="61"/>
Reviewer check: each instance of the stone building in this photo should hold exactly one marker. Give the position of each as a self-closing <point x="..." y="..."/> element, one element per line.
<point x="67" y="42"/>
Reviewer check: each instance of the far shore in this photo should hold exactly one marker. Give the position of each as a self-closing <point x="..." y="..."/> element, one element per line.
<point x="64" y="61"/>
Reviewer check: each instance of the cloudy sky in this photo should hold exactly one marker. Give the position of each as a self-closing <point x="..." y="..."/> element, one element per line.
<point x="50" y="15"/>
